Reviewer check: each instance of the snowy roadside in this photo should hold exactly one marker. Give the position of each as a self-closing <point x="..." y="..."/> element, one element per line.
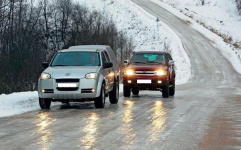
<point x="136" y="24"/>
<point x="229" y="51"/>
<point x="18" y="103"/>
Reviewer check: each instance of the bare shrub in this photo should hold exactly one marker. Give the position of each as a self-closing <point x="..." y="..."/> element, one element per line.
<point x="214" y="31"/>
<point x="237" y="44"/>
<point x="227" y="39"/>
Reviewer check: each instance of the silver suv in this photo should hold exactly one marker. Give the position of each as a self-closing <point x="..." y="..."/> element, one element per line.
<point x="80" y="73"/>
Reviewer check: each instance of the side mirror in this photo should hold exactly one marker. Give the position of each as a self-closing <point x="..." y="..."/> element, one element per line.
<point x="126" y="62"/>
<point x="171" y="62"/>
<point x="45" y="65"/>
<point x="108" y="65"/>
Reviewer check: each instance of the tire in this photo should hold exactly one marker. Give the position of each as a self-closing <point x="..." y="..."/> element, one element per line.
<point x="114" y="94"/>
<point x="172" y="89"/>
<point x="126" y="91"/>
<point x="165" y="91"/>
<point x="44" y="103"/>
<point x="100" y="101"/>
<point x="135" y="91"/>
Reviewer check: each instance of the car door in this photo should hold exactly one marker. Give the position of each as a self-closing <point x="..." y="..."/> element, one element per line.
<point x="107" y="72"/>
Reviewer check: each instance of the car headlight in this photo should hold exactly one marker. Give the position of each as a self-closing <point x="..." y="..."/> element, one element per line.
<point x="91" y="76"/>
<point x="160" y="72"/>
<point x="129" y="72"/>
<point x="45" y="76"/>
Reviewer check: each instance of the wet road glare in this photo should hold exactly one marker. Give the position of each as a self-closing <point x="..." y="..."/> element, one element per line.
<point x="134" y="120"/>
<point x="135" y="123"/>
<point x="146" y="121"/>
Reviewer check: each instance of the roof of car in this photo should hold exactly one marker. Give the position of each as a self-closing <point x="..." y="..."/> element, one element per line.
<point x="159" y="52"/>
<point x="79" y="50"/>
<point x="89" y="47"/>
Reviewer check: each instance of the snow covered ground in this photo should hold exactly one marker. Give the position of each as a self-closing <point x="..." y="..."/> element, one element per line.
<point x="17" y="103"/>
<point x="220" y="16"/>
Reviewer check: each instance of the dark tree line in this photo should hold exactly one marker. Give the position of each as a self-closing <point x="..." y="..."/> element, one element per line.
<point x="31" y="34"/>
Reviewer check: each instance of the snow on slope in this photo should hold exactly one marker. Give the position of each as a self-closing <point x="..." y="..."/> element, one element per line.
<point x="220" y="15"/>
<point x="134" y="22"/>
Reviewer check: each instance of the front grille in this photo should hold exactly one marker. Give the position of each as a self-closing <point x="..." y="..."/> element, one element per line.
<point x="86" y="91"/>
<point x="67" y="89"/>
<point x="67" y="80"/>
<point x="144" y="73"/>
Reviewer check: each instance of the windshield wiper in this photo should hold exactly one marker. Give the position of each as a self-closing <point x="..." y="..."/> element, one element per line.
<point x="77" y="65"/>
<point x="154" y="62"/>
<point x="139" y="62"/>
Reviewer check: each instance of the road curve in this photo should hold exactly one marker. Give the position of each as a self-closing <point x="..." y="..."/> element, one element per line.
<point x="204" y="114"/>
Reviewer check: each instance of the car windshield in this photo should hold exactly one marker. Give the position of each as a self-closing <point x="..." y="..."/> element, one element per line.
<point x="148" y="58"/>
<point x="76" y="59"/>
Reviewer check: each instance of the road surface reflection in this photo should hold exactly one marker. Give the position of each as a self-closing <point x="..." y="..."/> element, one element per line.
<point x="127" y="127"/>
<point x="158" y="119"/>
<point x="43" y="122"/>
<point x="91" y="132"/>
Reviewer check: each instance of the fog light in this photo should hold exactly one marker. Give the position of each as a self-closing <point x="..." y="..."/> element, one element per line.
<point x="43" y="91"/>
<point x="129" y="81"/>
<point x="93" y="90"/>
<point x="159" y="81"/>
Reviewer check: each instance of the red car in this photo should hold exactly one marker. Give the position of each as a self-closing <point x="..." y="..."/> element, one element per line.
<point x="149" y="70"/>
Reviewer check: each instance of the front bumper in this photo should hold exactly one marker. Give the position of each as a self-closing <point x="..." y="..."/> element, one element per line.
<point x="131" y="81"/>
<point x="86" y="88"/>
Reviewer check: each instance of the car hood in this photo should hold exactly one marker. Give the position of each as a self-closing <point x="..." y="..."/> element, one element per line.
<point x="147" y="67"/>
<point x="71" y="71"/>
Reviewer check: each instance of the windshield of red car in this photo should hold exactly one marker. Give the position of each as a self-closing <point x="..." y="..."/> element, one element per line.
<point x="148" y="58"/>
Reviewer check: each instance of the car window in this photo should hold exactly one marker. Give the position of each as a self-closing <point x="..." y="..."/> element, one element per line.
<point x="107" y="56"/>
<point x="148" y="58"/>
<point x="76" y="59"/>
<point x="104" y="60"/>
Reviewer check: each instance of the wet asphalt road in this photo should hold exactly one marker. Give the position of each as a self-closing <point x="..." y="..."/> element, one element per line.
<point x="204" y="114"/>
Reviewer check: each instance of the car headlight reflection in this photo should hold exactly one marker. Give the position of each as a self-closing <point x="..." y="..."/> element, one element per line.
<point x="91" y="76"/>
<point x="45" y="76"/>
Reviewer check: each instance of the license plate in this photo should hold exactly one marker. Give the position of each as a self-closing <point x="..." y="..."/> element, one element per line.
<point x="67" y="85"/>
<point x="144" y="81"/>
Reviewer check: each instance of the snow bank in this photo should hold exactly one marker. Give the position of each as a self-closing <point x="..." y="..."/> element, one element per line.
<point x="17" y="103"/>
<point x="220" y="15"/>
